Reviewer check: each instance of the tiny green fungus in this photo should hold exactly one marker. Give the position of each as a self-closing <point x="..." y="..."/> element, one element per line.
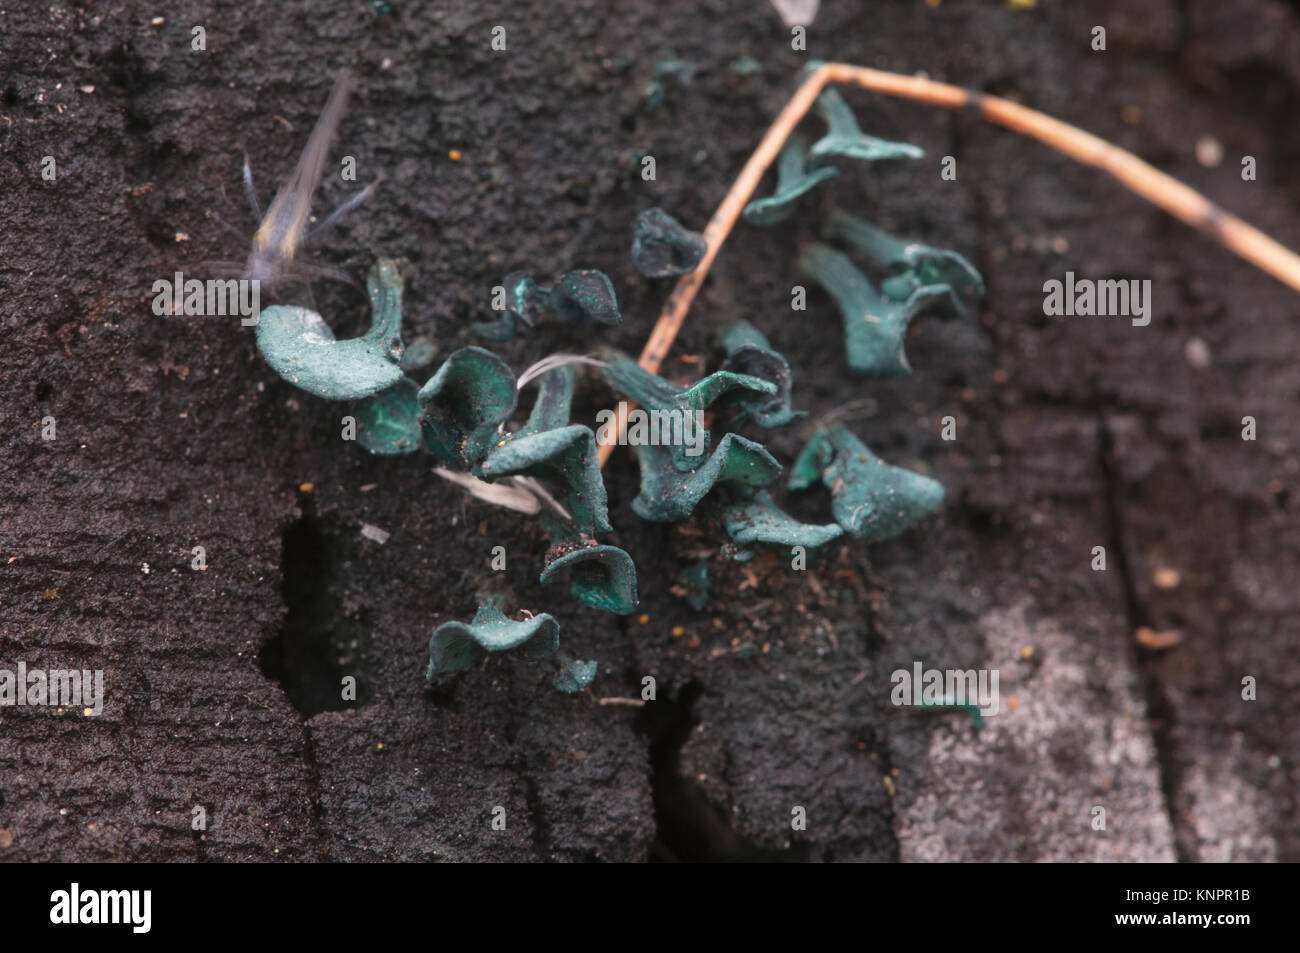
<point x="419" y="354"/>
<point x="663" y="247"/>
<point x="388" y="423"/>
<point x="870" y="499"/>
<point x="669" y="67"/>
<point x="302" y="349"/>
<point x="464" y="403"/>
<point x="567" y="454"/>
<point x="874" y="326"/>
<point x="668" y="495"/>
<point x="760" y="520"/>
<point x="453" y="645"/>
<point x="667" y="404"/>
<point x="523" y="304"/>
<point x="554" y="404"/>
<point x="845" y="138"/>
<point x="915" y="265"/>
<point x="583" y="295"/>
<point x="574" y="675"/>
<point x="795" y="177"/>
<point x="950" y="703"/>
<point x="694" y="580"/>
<point x="601" y="576"/>
<point x="653" y="94"/>
<point x="749" y="354"/>
<point x="550" y="447"/>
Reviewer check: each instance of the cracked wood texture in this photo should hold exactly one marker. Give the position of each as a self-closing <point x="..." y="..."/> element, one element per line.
<point x="223" y="684"/>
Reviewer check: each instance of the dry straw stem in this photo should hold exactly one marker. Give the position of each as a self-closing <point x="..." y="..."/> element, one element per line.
<point x="1156" y="187"/>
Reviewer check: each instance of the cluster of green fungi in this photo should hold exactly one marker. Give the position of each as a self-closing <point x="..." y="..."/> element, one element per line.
<point x="462" y="414"/>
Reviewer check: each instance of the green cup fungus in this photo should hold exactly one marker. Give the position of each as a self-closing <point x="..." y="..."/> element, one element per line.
<point x="388" y="423"/>
<point x="671" y="442"/>
<point x="674" y="415"/>
<point x="583" y="295"/>
<point x="914" y="265"/>
<point x="302" y="349"/>
<point x="600" y="576"/>
<point x="464" y="403"/>
<point x="845" y="138"/>
<point x="795" y="177"/>
<point x="574" y="675"/>
<point x="870" y="499"/>
<point x="874" y="326"/>
<point x="760" y="520"/>
<point x="453" y="645"/>
<point x="549" y="447"/>
<point x="669" y="495"/>
<point x="750" y="355"/>
<point x="663" y="247"/>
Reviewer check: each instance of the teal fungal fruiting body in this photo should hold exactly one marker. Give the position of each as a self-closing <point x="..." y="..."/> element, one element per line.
<point x="870" y="499"/>
<point x="663" y="247"/>
<point x="583" y="295"/>
<point x="669" y="67"/>
<point x="388" y="423"/>
<point x="567" y="453"/>
<point x="915" y="265"/>
<point x="525" y="302"/>
<point x="701" y="395"/>
<point x="629" y="379"/>
<point x="549" y="446"/>
<point x="653" y="93"/>
<point x="760" y="520"/>
<point x="574" y="675"/>
<point x="453" y="644"/>
<point x="845" y="138"/>
<point x="749" y="354"/>
<point x="301" y="348"/>
<point x="874" y="326"/>
<point x="603" y="577"/>
<point x="683" y="407"/>
<point x="525" y="299"/>
<point x="676" y="475"/>
<point x="668" y="495"/>
<point x="795" y="177"/>
<point x="463" y="404"/>
<point x="666" y="69"/>
<point x="553" y="407"/>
